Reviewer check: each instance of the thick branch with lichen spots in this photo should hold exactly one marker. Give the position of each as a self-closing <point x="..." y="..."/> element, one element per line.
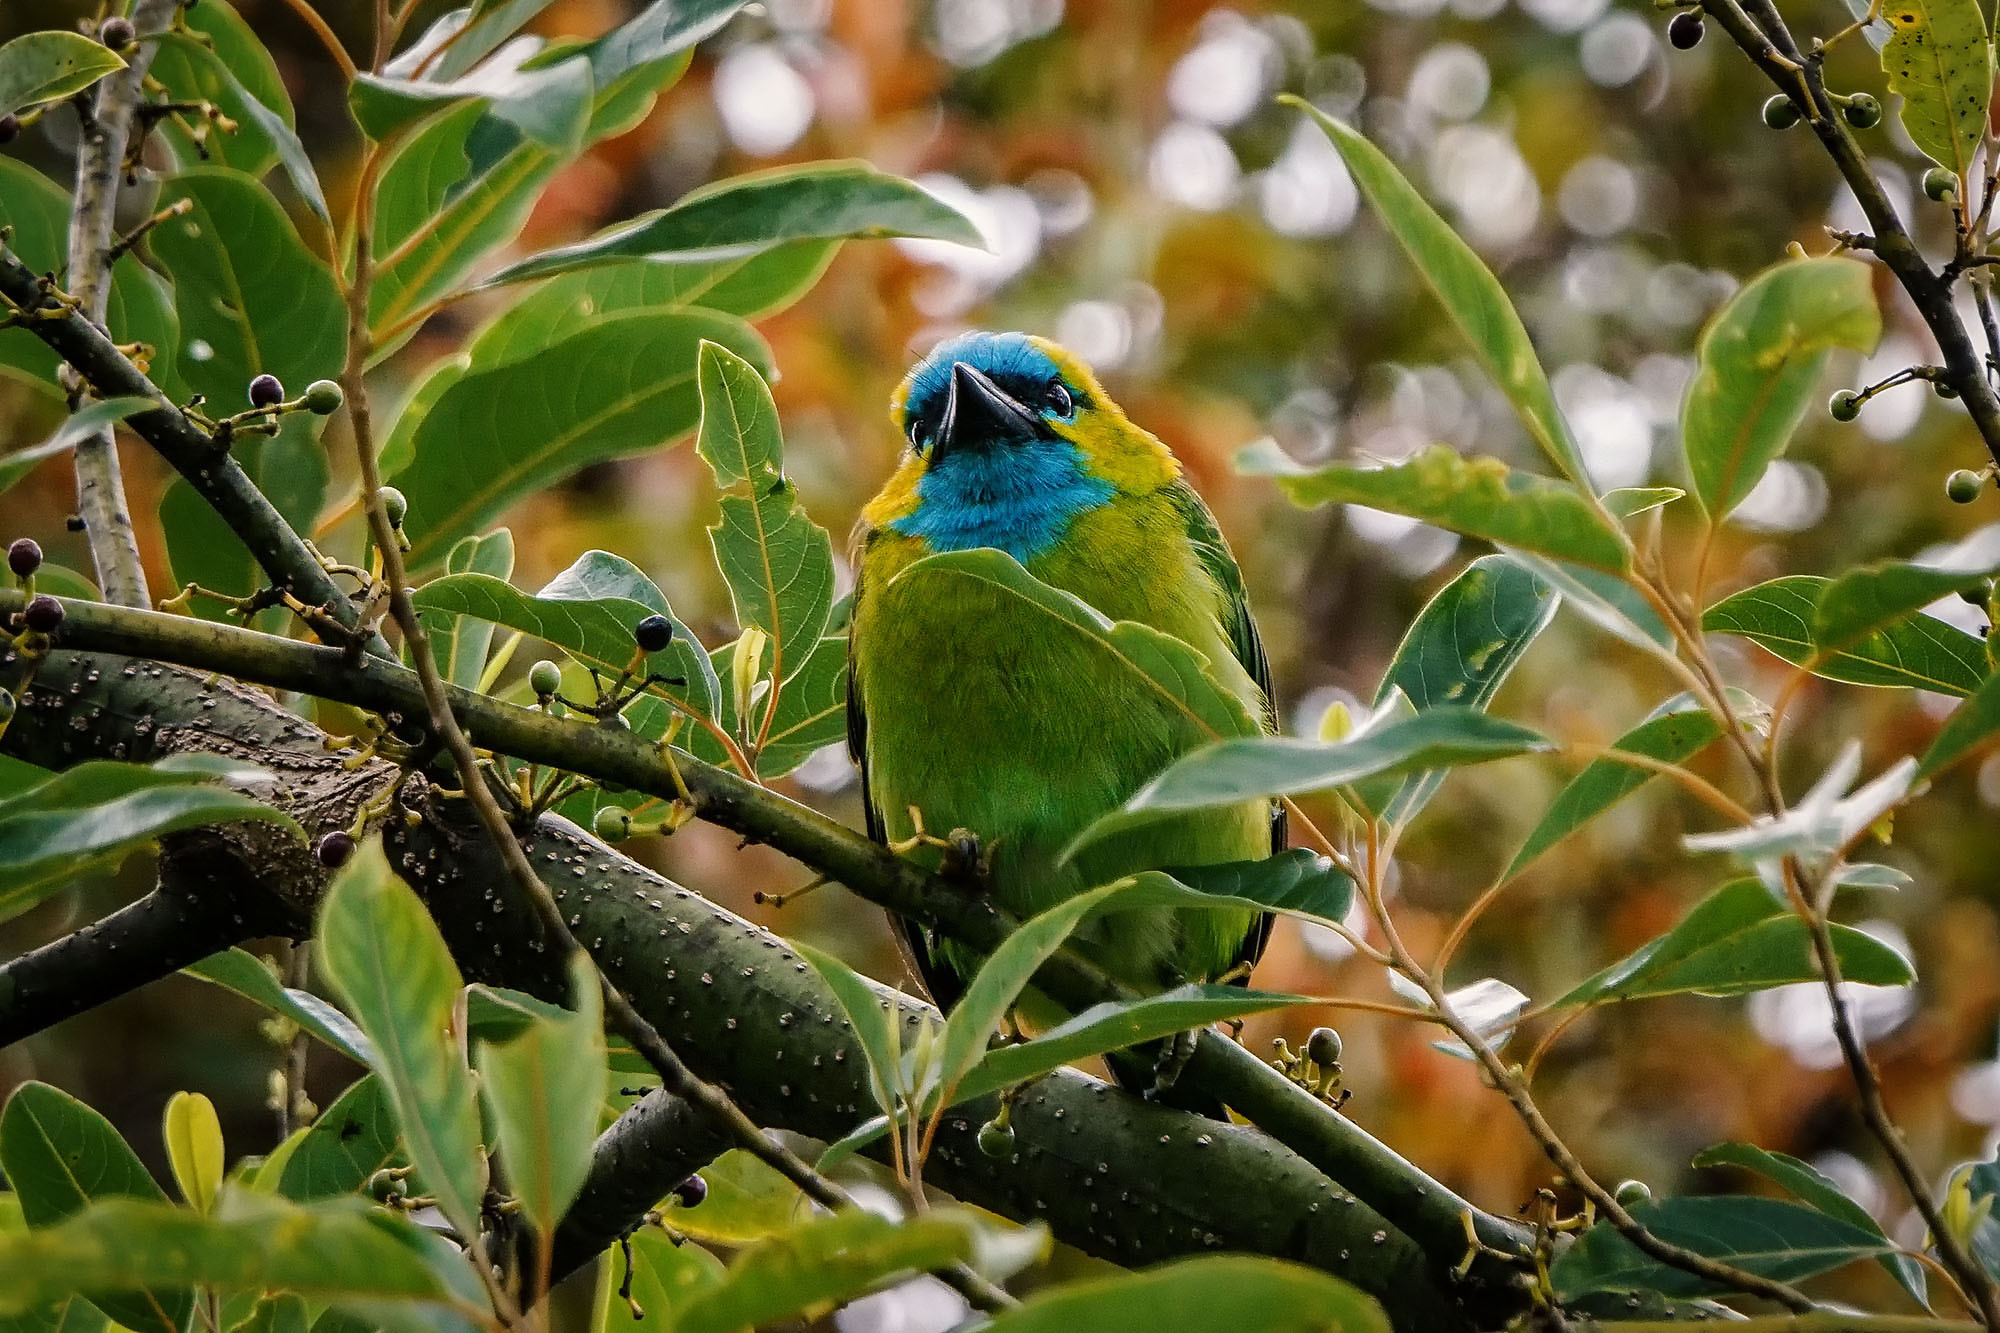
<point x="1113" y="1174"/>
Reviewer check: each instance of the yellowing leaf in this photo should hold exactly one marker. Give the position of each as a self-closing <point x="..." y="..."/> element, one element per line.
<point x="194" y="1148"/>
<point x="1940" y="62"/>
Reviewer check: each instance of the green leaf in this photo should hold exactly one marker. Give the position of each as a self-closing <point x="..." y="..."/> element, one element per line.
<point x="1631" y="501"/>
<point x="550" y="104"/>
<point x="1940" y="63"/>
<point x="1479" y="497"/>
<point x="98" y="813"/>
<point x="383" y="954"/>
<point x="242" y="972"/>
<point x="1472" y="297"/>
<point x="1459" y="650"/>
<point x="1920" y="650"/>
<point x="232" y="70"/>
<point x="291" y="469"/>
<point x="352" y="1140"/>
<point x="61" y="1157"/>
<point x="1876" y="597"/>
<point x="749" y="213"/>
<point x="1298" y="882"/>
<point x="1221" y="1293"/>
<point x="621" y="386"/>
<point x="193" y="1136"/>
<point x="1817" y="1191"/>
<point x="873" y="1017"/>
<point x="1159" y="667"/>
<point x="777" y="562"/>
<point x="1676" y="732"/>
<point x="543" y="1088"/>
<point x="1737" y="940"/>
<point x="662" y="29"/>
<point x="251" y="298"/>
<point x="276" y="1314"/>
<point x="1970" y="725"/>
<point x="1760" y="361"/>
<point x="811" y="712"/>
<point x="459" y="644"/>
<point x="43" y="66"/>
<point x="473" y="32"/>
<point x="1769" y="1237"/>
<point x="825" y="1262"/>
<point x="660" y="1275"/>
<point x="140" y="309"/>
<point x="1607" y="601"/>
<point x="78" y="425"/>
<point x="747" y="1201"/>
<point x="252" y="1243"/>
<point x="588" y="611"/>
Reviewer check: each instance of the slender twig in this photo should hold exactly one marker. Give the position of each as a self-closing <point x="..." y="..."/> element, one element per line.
<point x="100" y="164"/>
<point x="311" y="18"/>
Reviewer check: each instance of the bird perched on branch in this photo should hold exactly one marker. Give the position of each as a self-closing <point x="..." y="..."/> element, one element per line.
<point x="978" y="713"/>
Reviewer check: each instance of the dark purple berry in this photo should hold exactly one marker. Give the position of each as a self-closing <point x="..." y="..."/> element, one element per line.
<point x="10" y="128"/>
<point x="1684" y="30"/>
<point x="75" y="523"/>
<point x="116" y="33"/>
<point x="653" y="633"/>
<point x="1323" y="1047"/>
<point x="691" y="1192"/>
<point x="266" y="391"/>
<point x="44" y="613"/>
<point x="333" y="849"/>
<point x="24" y="557"/>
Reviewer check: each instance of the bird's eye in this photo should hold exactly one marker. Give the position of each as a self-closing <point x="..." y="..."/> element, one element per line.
<point x="1060" y="401"/>
<point x="920" y="437"/>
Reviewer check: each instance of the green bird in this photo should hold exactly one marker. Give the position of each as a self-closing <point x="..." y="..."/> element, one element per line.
<point x="977" y="713"/>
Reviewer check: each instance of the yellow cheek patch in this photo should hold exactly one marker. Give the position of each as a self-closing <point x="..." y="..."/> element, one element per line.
<point x="898" y="499"/>
<point x="1113" y="448"/>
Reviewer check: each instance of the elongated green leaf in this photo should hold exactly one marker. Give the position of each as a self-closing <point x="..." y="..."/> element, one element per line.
<point x="588" y="611"/>
<point x="745" y="214"/>
<point x="1918" y="650"/>
<point x="660" y="30"/>
<point x="871" y="1015"/>
<point x="251" y="298"/>
<point x="193" y="1136"/>
<point x="621" y="386"/>
<point x="1459" y="650"/>
<point x="242" y="972"/>
<point x="1940" y="63"/>
<point x="1737" y="940"/>
<point x="103" y="810"/>
<point x="550" y="104"/>
<point x="84" y="422"/>
<point x="352" y="1140"/>
<point x="1769" y="1237"/>
<point x="1632" y="501"/>
<point x="61" y="1157"/>
<point x="1876" y="597"/>
<point x="485" y="25"/>
<point x="1760" y="363"/>
<point x="460" y="643"/>
<point x="1166" y="673"/>
<point x="1298" y="882"/>
<point x="196" y="71"/>
<point x="1479" y="497"/>
<point x="777" y="562"/>
<point x="747" y="1201"/>
<point x="1472" y="297"/>
<point x="253" y="1242"/>
<point x="1606" y="600"/>
<point x="811" y="712"/>
<point x="140" y="308"/>
<point x="543" y="1088"/>
<point x="1974" y="721"/>
<point x="384" y="955"/>
<point x="43" y="66"/>
<point x="1222" y="1293"/>
<point x="1670" y="737"/>
<point x="1817" y="1191"/>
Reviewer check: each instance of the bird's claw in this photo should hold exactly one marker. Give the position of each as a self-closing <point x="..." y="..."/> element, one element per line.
<point x="1174" y="1056"/>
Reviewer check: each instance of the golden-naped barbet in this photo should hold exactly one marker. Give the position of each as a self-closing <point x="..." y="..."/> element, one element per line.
<point x="987" y="717"/>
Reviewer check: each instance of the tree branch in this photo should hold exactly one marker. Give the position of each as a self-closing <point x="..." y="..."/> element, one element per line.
<point x="654" y="1146"/>
<point x="100" y="162"/>
<point x="217" y="477"/>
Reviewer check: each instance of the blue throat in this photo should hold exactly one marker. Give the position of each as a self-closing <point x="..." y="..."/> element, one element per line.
<point x="1020" y="500"/>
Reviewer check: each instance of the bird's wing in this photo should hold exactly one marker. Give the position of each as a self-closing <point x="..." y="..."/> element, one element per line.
<point x="941" y="981"/>
<point x="1248" y="646"/>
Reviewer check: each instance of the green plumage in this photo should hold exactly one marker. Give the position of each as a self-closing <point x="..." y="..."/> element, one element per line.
<point x="990" y="716"/>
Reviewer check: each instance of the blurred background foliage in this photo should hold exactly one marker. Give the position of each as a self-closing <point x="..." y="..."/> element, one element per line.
<point x="1147" y="203"/>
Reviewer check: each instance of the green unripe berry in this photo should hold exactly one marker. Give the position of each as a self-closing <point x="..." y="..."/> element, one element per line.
<point x="323" y="398"/>
<point x="1963" y="486"/>
<point x="1844" y="405"/>
<point x="545" y="677"/>
<point x="613" y="823"/>
<point x="1862" y="111"/>
<point x="1939" y="184"/>
<point x="1323" y="1047"/>
<point x="1632" y="1193"/>
<point x="996" y="1139"/>
<point x="395" y="505"/>
<point x="1781" y="112"/>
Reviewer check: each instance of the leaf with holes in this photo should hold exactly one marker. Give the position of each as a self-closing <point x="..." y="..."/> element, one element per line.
<point x="1940" y="61"/>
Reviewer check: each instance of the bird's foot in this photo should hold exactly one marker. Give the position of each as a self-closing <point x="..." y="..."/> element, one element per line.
<point x="1173" y="1061"/>
<point x="966" y="857"/>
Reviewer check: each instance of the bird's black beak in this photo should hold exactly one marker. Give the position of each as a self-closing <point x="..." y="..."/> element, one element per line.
<point x="980" y="412"/>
